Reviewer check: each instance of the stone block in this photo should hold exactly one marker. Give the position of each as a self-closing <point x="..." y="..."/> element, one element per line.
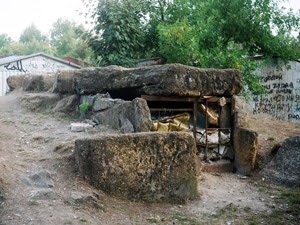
<point x="15" y="82"/>
<point x="38" y="82"/>
<point x="148" y="166"/>
<point x="285" y="166"/>
<point x="245" y="147"/>
<point x="163" y="80"/>
<point x="39" y="102"/>
<point x="119" y="112"/>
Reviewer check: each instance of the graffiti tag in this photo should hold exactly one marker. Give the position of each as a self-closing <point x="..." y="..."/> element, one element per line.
<point x="15" y="66"/>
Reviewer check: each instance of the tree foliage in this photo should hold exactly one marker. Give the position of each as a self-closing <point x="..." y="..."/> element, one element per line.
<point x="203" y="33"/>
<point x="118" y="36"/>
<point x="32" y="33"/>
<point x="4" y="40"/>
<point x="19" y="48"/>
<point x="68" y="39"/>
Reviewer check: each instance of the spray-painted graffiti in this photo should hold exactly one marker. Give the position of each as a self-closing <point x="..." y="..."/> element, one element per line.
<point x="18" y="66"/>
<point x="282" y="99"/>
<point x="36" y="64"/>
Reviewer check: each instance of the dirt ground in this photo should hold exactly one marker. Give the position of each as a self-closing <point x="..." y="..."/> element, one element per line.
<point x="39" y="183"/>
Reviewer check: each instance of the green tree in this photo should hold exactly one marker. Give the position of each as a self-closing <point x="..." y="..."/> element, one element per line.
<point x="118" y="35"/>
<point x="221" y="34"/>
<point x="19" y="48"/>
<point x="68" y="39"/>
<point x="32" y="33"/>
<point x="203" y="33"/>
<point x="4" y="40"/>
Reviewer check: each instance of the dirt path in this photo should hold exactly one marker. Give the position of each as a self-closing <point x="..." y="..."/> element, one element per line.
<point x="39" y="183"/>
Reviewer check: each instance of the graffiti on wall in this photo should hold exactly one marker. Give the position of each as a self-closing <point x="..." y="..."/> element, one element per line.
<point x="282" y="99"/>
<point x="15" y="66"/>
<point x="35" y="64"/>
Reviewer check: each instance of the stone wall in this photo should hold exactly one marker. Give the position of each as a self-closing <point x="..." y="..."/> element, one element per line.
<point x="162" y="80"/>
<point x="151" y="167"/>
<point x="282" y="83"/>
<point x="245" y="141"/>
<point x="39" y="82"/>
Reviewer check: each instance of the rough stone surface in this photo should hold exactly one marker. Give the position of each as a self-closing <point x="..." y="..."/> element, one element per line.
<point x="164" y="80"/>
<point x="67" y="105"/>
<point x="245" y="147"/>
<point x="127" y="127"/>
<point x="149" y="166"/>
<point x="285" y="166"/>
<point x="42" y="179"/>
<point x="31" y="82"/>
<point x="15" y="82"/>
<point x="38" y="82"/>
<point x="80" y="127"/>
<point x="117" y="116"/>
<point x="101" y="104"/>
<point x="241" y="115"/>
<point x="39" y="101"/>
<point x="63" y="82"/>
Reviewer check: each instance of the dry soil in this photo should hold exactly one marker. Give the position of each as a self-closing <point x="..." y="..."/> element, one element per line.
<point x="39" y="183"/>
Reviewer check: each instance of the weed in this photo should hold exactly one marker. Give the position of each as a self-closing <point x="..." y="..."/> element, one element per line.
<point x="73" y="203"/>
<point x="8" y="122"/>
<point x="293" y="196"/>
<point x="182" y="218"/>
<point x="83" y="220"/>
<point x="153" y="220"/>
<point x="253" y="222"/>
<point x="84" y="107"/>
<point x="33" y="202"/>
<point x="270" y="139"/>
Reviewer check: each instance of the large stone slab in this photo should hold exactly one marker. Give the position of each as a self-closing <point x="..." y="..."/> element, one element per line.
<point x="31" y="82"/>
<point x="39" y="102"/>
<point x="245" y="143"/>
<point x="38" y="82"/>
<point x="285" y="166"/>
<point x="164" y="80"/>
<point x="148" y="166"/>
<point x="117" y="114"/>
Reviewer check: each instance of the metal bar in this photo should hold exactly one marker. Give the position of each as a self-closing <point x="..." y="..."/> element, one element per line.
<point x="168" y="99"/>
<point x="219" y="130"/>
<point x="195" y="110"/>
<point x="170" y="109"/>
<point x="206" y="144"/>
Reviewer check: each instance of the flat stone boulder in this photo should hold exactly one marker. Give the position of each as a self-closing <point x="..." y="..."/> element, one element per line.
<point x="64" y="82"/>
<point x="123" y="115"/>
<point x="148" y="166"/>
<point x="40" y="102"/>
<point x="38" y="82"/>
<point x="80" y="127"/>
<point x="31" y="82"/>
<point x="15" y="82"/>
<point x="245" y="150"/>
<point x="66" y="106"/>
<point x="163" y="80"/>
<point x="284" y="168"/>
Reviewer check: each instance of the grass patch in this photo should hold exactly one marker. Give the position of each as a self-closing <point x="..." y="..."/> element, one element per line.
<point x="73" y="203"/>
<point x="182" y="218"/>
<point x="271" y="139"/>
<point x="292" y="195"/>
<point x="33" y="202"/>
<point x="286" y="212"/>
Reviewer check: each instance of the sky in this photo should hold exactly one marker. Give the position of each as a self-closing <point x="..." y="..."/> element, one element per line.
<point x="17" y="15"/>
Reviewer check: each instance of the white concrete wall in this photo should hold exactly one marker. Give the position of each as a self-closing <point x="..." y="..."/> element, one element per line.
<point x="283" y="92"/>
<point x="37" y="64"/>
